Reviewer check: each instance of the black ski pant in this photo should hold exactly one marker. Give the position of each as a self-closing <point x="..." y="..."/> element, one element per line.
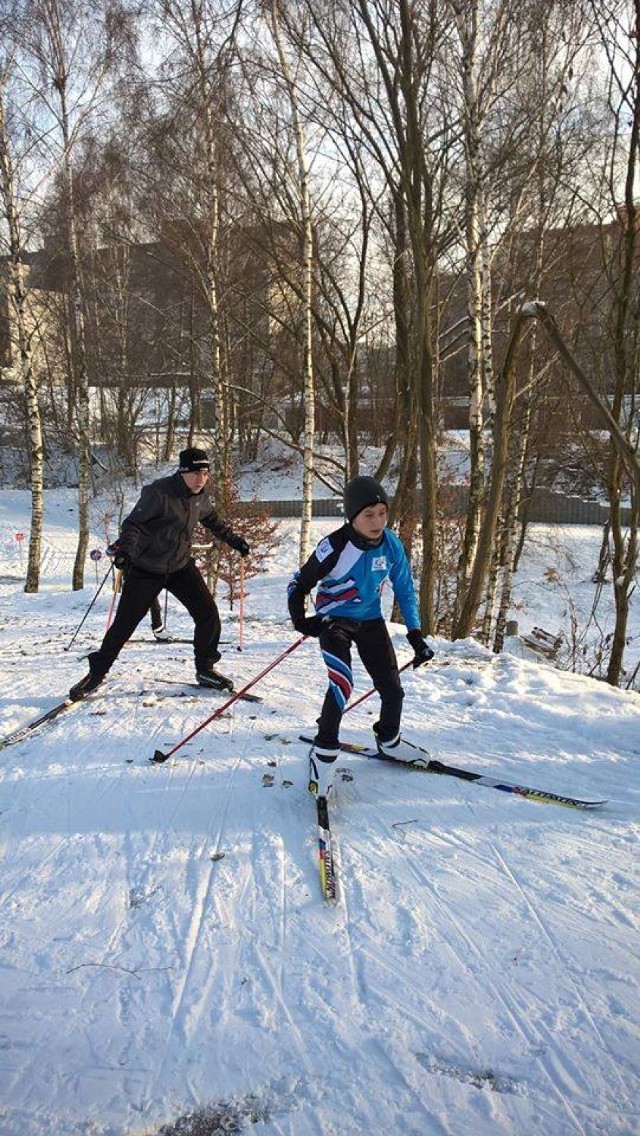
<point x="155" y="611"/>
<point x="373" y="644"/>
<point x="139" y="590"/>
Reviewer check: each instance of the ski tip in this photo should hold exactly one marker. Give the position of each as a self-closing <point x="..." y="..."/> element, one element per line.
<point x="159" y="756"/>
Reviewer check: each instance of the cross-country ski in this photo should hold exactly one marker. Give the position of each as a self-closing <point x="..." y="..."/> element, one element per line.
<point x="326" y="857"/>
<point x="207" y="690"/>
<point x="424" y="762"/>
<point x="22" y="732"/>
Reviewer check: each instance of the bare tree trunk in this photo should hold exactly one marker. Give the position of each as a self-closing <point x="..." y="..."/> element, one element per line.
<point x="57" y="65"/>
<point x="403" y="428"/>
<point x="307" y="292"/>
<point x="626" y="333"/>
<point x="468" y="19"/>
<point x="417" y="187"/>
<point x="505" y="394"/>
<point x="515" y="482"/>
<point x="80" y="360"/>
<point x="17" y="299"/>
<point x="491" y="590"/>
<point x="221" y="455"/>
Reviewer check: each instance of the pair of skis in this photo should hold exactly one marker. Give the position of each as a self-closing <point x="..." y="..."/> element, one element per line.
<point x="424" y="763"/>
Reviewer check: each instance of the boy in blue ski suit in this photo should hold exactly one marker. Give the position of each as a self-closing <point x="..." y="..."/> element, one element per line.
<point x="349" y="568"/>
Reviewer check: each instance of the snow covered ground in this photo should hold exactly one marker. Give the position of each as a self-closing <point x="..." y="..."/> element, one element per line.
<point x="167" y="965"/>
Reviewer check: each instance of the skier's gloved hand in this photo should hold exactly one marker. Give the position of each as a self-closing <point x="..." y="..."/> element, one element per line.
<point x="422" y="650"/>
<point x="242" y="547"/>
<point x="312" y="625"/>
<point x="121" y="559"/>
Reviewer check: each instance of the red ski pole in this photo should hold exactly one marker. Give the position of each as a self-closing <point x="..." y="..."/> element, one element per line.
<point x="160" y="756"/>
<point x="241" y="612"/>
<point x="117" y="578"/>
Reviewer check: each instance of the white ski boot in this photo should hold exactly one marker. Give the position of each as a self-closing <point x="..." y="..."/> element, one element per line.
<point x="321" y="769"/>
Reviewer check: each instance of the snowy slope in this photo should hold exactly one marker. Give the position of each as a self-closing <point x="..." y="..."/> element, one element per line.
<point x="164" y="950"/>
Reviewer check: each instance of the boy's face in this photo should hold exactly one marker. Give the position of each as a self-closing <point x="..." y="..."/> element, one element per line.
<point x="371" y="522"/>
<point x="196" y="480"/>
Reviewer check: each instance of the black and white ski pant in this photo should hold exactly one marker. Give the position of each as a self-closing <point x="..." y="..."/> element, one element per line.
<point x="371" y="640"/>
<point x="138" y="592"/>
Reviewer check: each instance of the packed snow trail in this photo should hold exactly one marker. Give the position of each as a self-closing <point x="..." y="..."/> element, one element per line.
<point x="164" y="926"/>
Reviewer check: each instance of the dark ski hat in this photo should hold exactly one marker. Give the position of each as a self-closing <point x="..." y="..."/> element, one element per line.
<point x="361" y="492"/>
<point x="193" y="460"/>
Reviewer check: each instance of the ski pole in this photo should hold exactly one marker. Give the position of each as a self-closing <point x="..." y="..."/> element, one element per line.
<point x="368" y="694"/>
<point x="241" y="619"/>
<point x="73" y="637"/>
<point x="117" y="577"/>
<point x="160" y="756"/>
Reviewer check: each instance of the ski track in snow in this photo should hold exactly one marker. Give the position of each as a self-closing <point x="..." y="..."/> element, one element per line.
<point x="164" y="946"/>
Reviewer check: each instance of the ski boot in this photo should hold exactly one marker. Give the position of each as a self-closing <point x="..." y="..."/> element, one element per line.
<point x="211" y="678"/>
<point x="321" y="770"/>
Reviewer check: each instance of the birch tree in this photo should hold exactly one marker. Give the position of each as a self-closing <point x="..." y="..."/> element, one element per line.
<point x="21" y="338"/>
<point x="70" y="50"/>
<point x="379" y="62"/>
<point x="619" y="27"/>
<point x="468" y="19"/>
<point x="306" y="228"/>
<point x="195" y="92"/>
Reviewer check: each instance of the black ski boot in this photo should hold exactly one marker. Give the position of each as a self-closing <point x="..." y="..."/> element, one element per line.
<point x="210" y="677"/>
<point x="86" y="686"/>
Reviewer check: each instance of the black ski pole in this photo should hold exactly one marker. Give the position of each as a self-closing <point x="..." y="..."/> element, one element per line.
<point x="109" y="570"/>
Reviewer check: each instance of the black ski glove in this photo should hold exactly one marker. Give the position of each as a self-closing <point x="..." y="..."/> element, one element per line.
<point x="423" y="652"/>
<point x="242" y="547"/>
<point x="120" y="558"/>
<point x="312" y="625"/>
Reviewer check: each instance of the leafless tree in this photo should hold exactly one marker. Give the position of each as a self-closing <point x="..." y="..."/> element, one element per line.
<point x="17" y="297"/>
<point x="193" y="92"/>
<point x="306" y="225"/>
<point x="68" y="52"/>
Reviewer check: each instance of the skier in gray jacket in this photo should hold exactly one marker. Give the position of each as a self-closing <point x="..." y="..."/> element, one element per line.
<point x="154" y="549"/>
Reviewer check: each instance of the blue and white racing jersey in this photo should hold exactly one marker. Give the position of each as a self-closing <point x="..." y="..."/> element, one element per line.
<point x="349" y="573"/>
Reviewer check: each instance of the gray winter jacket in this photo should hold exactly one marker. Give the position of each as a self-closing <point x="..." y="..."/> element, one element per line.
<point x="158" y="532"/>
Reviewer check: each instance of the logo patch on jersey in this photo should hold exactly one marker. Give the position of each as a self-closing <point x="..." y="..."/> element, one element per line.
<point x="379" y="564"/>
<point x="323" y="550"/>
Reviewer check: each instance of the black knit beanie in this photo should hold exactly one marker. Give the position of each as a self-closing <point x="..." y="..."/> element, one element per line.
<point x="361" y="492"/>
<point x="193" y="461"/>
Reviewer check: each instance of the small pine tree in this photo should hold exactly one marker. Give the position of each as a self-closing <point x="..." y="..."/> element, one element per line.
<point x="221" y="563"/>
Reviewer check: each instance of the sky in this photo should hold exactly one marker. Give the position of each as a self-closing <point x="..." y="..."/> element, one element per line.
<point x="167" y="962"/>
